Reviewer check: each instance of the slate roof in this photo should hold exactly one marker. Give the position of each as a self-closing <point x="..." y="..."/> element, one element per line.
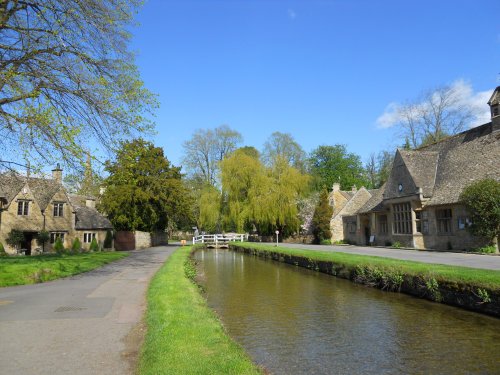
<point x="463" y="159"/>
<point x="422" y="166"/>
<point x="11" y="183"/>
<point x="357" y="201"/>
<point x="375" y="203"/>
<point x="495" y="97"/>
<point x="87" y="217"/>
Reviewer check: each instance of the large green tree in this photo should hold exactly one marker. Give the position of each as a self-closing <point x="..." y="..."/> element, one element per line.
<point x="482" y="200"/>
<point x="329" y="164"/>
<point x="283" y="146"/>
<point x="143" y="191"/>
<point x="67" y="78"/>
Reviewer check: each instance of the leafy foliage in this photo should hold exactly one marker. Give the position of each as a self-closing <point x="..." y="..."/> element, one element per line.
<point x="143" y="191"/>
<point x="321" y="219"/>
<point x="94" y="246"/>
<point x="108" y="240"/>
<point x="14" y="238"/>
<point x="482" y="200"/>
<point x="66" y="77"/>
<point x="76" y="246"/>
<point x="42" y="237"/>
<point x="2" y="250"/>
<point x="330" y="164"/>
<point x="59" y="246"/>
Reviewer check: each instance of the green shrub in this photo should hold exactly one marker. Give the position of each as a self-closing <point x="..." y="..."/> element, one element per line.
<point x="14" y="238"/>
<point x="326" y="242"/>
<point x="396" y="245"/>
<point x="3" y="253"/>
<point x="76" y="246"/>
<point x="42" y="237"/>
<point x="340" y="242"/>
<point x="94" y="246"/>
<point x="108" y="241"/>
<point x="485" y="250"/>
<point x="59" y="246"/>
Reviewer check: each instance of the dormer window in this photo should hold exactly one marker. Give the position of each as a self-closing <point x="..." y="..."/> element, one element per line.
<point x="58" y="209"/>
<point x="23" y="208"/>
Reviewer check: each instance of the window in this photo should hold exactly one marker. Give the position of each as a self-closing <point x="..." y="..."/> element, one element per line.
<point x="87" y="237"/>
<point x="23" y="208"/>
<point x="382" y="224"/>
<point x="55" y="235"/>
<point x="425" y="222"/>
<point x="418" y="221"/>
<point x="444" y="220"/>
<point x="402" y="218"/>
<point x="58" y="209"/>
<point x="351" y="226"/>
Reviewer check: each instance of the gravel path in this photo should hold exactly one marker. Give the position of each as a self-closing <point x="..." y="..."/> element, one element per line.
<point x="86" y="324"/>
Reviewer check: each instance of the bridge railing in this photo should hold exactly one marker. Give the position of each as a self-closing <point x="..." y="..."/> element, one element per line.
<point x="219" y="238"/>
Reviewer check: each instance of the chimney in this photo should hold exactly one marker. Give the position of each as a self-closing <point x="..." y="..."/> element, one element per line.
<point x="494" y="104"/>
<point x="354" y="188"/>
<point x="57" y="174"/>
<point x="90" y="202"/>
<point x="336" y="187"/>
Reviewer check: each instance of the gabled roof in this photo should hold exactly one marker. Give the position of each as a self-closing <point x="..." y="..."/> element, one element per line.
<point x="375" y="203"/>
<point x="422" y="166"/>
<point x="359" y="198"/>
<point x="87" y="217"/>
<point x="495" y="97"/>
<point x="463" y="159"/>
<point x="43" y="189"/>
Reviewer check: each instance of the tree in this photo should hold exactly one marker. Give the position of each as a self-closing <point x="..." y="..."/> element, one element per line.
<point x="42" y="238"/>
<point x="435" y="115"/>
<point x="283" y="146"/>
<point x="206" y="148"/>
<point x="482" y="200"/>
<point x="143" y="190"/>
<point x="108" y="240"/>
<point x="321" y="218"/>
<point x="239" y="172"/>
<point x="66" y="77"/>
<point x="85" y="182"/>
<point x="329" y="164"/>
<point x="209" y="209"/>
<point x="14" y="238"/>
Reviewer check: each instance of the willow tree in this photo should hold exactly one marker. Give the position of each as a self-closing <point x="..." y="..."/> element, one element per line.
<point x="239" y="173"/>
<point x="209" y="210"/>
<point x="67" y="78"/>
<point x="275" y="197"/>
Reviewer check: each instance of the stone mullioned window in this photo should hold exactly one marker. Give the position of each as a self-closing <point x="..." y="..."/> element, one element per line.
<point x="402" y="218"/>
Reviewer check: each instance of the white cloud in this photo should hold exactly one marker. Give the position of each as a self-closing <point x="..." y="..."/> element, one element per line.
<point x="291" y="14"/>
<point x="465" y="95"/>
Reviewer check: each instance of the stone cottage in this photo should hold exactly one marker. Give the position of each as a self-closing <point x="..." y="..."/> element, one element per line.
<point x="31" y="205"/>
<point x="419" y="204"/>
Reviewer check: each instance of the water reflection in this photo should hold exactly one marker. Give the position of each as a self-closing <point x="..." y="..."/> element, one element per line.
<point x="296" y="321"/>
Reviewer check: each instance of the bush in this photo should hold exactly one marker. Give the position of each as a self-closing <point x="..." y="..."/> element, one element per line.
<point x="42" y="237"/>
<point x="59" y="246"/>
<point x="108" y="241"/>
<point x="3" y="253"/>
<point x="14" y="238"/>
<point x="396" y="245"/>
<point x="325" y="242"/>
<point x="485" y="250"/>
<point x="321" y="219"/>
<point x="76" y="247"/>
<point x="94" y="246"/>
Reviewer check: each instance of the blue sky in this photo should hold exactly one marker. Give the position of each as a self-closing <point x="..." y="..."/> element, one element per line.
<point x="324" y="71"/>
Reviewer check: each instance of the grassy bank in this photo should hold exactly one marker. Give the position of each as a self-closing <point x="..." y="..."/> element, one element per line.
<point x="474" y="289"/>
<point x="184" y="336"/>
<point x="36" y="269"/>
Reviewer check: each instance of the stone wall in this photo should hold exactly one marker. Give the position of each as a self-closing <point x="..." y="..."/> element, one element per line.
<point x="142" y="239"/>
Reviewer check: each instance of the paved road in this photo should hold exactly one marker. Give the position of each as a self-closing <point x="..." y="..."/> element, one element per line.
<point x="491" y="262"/>
<point x="86" y="324"/>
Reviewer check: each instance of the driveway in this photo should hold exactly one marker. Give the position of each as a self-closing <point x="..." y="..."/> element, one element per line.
<point x="489" y="262"/>
<point x="86" y="324"/>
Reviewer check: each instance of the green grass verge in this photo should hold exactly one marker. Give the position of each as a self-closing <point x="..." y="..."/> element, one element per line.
<point x="451" y="274"/>
<point x="23" y="270"/>
<point x="184" y="336"/>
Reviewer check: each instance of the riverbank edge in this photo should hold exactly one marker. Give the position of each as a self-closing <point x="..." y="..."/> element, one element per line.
<point x="430" y="285"/>
<point x="183" y="335"/>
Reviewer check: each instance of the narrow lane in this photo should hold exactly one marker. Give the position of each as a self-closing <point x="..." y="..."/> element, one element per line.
<point x="489" y="262"/>
<point x="80" y="325"/>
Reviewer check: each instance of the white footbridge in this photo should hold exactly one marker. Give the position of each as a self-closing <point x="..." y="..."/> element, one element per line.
<point x="219" y="240"/>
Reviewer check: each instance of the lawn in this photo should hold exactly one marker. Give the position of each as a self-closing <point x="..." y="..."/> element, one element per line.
<point x="451" y="274"/>
<point x="20" y="270"/>
<point x="184" y="336"/>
